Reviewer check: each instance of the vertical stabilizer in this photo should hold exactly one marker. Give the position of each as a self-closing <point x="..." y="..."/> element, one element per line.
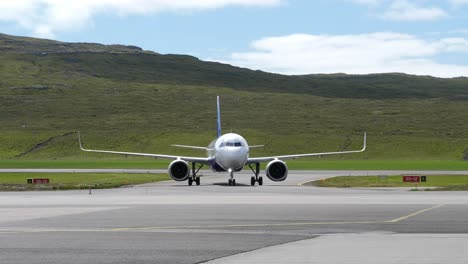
<point x="218" y="112"/>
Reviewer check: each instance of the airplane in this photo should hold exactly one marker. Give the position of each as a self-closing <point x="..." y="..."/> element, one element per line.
<point x="226" y="153"/>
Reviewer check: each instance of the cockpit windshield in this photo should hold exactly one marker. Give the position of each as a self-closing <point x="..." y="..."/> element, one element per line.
<point x="230" y="144"/>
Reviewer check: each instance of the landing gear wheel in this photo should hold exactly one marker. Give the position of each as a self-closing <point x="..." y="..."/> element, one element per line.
<point x="233" y="182"/>
<point x="256" y="172"/>
<point x="193" y="178"/>
<point x="230" y="182"/>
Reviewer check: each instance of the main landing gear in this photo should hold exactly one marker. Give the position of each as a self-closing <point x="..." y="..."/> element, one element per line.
<point x="194" y="178"/>
<point x="256" y="178"/>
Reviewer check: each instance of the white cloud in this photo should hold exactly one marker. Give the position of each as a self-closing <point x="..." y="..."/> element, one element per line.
<point x="353" y="54"/>
<point x="404" y="10"/>
<point x="46" y="17"/>
<point x="458" y="2"/>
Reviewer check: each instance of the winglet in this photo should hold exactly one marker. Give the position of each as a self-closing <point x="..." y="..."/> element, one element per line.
<point x="365" y="142"/>
<point x="79" y="140"/>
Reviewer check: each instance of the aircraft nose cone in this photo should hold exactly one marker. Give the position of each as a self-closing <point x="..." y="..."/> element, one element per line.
<point x="232" y="159"/>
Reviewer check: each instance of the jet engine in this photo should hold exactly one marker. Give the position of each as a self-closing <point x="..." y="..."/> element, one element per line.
<point x="179" y="170"/>
<point x="277" y="170"/>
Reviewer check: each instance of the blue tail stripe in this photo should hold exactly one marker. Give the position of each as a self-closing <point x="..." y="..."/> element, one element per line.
<point x="219" y="117"/>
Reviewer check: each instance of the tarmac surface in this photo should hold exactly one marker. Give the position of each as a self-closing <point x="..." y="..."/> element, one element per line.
<point x="170" y="222"/>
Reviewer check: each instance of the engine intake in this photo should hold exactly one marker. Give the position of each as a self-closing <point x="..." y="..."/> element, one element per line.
<point x="179" y="170"/>
<point x="277" y="170"/>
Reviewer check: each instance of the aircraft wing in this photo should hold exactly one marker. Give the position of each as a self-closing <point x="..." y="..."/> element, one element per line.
<point x="283" y="157"/>
<point x="162" y="156"/>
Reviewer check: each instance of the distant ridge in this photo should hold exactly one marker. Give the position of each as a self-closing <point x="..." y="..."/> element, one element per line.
<point x="13" y="44"/>
<point x="131" y="63"/>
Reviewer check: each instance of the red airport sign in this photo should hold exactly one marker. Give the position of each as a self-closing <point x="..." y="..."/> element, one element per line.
<point x="38" y="181"/>
<point x="411" y="178"/>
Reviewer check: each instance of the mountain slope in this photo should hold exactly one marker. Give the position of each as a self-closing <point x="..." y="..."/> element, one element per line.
<point x="134" y="100"/>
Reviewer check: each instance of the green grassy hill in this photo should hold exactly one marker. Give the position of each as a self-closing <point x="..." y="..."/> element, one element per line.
<point x="124" y="98"/>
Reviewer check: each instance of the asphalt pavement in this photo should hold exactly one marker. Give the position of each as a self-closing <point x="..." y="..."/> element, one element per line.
<point x="170" y="222"/>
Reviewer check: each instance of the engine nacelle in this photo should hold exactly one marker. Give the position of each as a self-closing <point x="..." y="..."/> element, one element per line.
<point x="277" y="170"/>
<point x="179" y="170"/>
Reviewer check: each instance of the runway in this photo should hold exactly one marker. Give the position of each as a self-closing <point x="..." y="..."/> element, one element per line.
<point x="170" y="222"/>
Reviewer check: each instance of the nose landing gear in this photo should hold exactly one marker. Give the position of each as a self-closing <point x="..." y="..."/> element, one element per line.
<point x="231" y="181"/>
<point x="256" y="178"/>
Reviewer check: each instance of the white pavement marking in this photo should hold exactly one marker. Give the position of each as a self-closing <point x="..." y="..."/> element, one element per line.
<point x="363" y="248"/>
<point x="222" y="195"/>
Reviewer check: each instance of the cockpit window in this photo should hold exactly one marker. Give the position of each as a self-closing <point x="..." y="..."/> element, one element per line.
<point x="230" y="144"/>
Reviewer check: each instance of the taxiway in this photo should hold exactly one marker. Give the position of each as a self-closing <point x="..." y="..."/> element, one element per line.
<point x="170" y="222"/>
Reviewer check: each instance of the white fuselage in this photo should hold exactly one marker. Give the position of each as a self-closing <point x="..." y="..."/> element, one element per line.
<point x="228" y="152"/>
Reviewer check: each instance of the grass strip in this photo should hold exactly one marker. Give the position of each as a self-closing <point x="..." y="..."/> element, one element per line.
<point x="70" y="181"/>
<point x="445" y="182"/>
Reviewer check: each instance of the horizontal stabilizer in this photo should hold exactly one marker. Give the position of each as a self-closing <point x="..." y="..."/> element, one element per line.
<point x="190" y="147"/>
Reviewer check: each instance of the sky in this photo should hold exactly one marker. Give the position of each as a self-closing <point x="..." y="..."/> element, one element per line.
<point x="423" y="37"/>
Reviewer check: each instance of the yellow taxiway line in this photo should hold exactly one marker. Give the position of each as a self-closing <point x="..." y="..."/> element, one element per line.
<point x="123" y="229"/>
<point x="399" y="219"/>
